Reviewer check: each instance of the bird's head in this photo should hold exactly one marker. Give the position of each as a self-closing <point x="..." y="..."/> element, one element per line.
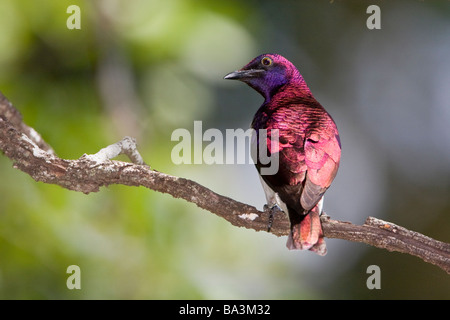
<point x="267" y="73"/>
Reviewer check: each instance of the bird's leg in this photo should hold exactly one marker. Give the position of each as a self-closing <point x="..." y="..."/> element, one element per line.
<point x="272" y="209"/>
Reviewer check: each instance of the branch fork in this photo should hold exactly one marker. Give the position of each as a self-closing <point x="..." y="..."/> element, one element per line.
<point x="125" y="146"/>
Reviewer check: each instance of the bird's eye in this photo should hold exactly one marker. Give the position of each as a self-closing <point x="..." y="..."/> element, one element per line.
<point x="266" y="61"/>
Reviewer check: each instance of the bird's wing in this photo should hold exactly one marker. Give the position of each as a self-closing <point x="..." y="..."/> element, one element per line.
<point x="322" y="157"/>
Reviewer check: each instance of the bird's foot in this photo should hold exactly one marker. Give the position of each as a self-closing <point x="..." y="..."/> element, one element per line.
<point x="273" y="209"/>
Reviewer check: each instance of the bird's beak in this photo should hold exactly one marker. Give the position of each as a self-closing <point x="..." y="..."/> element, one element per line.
<point x="244" y="74"/>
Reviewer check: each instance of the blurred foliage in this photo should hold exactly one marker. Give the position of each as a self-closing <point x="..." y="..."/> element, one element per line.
<point x="144" y="68"/>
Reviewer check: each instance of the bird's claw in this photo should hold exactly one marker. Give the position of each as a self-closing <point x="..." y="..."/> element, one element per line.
<point x="272" y="211"/>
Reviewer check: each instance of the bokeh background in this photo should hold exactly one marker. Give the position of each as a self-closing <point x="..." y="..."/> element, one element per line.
<point x="145" y="68"/>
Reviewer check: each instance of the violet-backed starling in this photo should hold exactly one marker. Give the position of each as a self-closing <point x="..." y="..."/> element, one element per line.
<point x="308" y="147"/>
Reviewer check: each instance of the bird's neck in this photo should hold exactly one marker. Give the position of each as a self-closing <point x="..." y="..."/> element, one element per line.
<point x="292" y="90"/>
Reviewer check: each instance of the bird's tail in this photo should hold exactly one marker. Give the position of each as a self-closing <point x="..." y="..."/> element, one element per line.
<point x="306" y="232"/>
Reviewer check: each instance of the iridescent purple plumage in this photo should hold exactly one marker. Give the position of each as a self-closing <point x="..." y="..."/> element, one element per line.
<point x="309" y="148"/>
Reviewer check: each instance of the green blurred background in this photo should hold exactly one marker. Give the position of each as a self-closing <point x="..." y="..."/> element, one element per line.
<point x="145" y="68"/>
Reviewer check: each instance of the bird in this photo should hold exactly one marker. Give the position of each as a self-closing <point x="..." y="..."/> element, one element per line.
<point x="308" y="147"/>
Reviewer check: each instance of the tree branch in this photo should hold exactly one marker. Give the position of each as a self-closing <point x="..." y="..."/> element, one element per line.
<point x="32" y="155"/>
